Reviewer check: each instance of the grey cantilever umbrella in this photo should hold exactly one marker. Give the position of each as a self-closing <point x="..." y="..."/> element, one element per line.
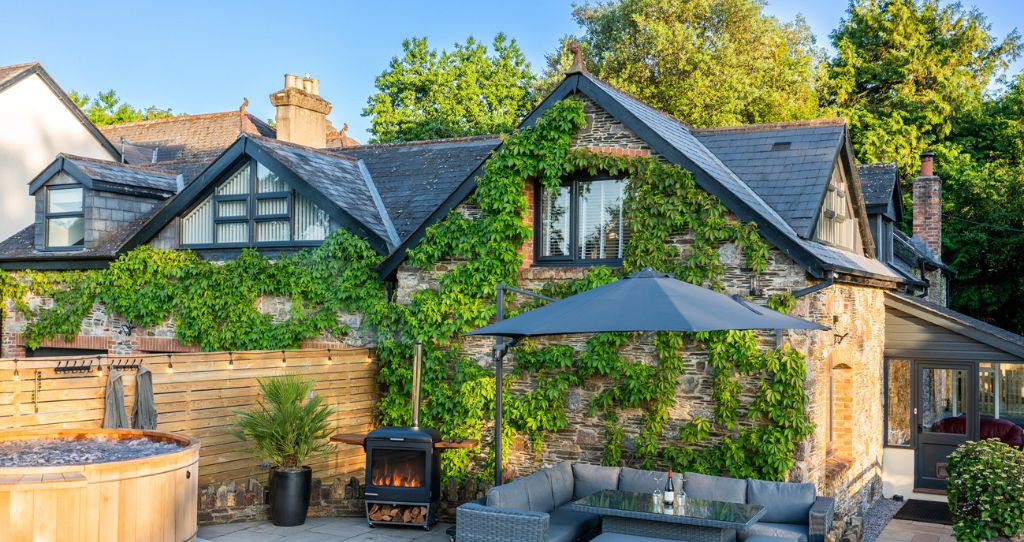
<point x="643" y="301"/>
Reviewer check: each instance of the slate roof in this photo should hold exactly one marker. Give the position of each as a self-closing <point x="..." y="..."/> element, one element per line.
<point x="124" y="174"/>
<point x="961" y="320"/>
<point x="193" y="138"/>
<point x="682" y="137"/>
<point x="878" y="181"/>
<point x="188" y="169"/>
<point x="21" y="247"/>
<point x="786" y="164"/>
<point x="415" y="178"/>
<point x="340" y="178"/>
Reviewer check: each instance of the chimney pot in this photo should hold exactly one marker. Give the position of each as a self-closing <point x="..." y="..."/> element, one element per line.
<point x="927" y="163"/>
<point x="289" y="81"/>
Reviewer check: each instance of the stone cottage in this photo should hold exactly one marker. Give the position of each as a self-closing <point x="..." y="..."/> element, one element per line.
<point x="829" y="221"/>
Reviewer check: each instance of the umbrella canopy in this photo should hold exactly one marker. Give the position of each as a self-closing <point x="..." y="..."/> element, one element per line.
<point x="645" y="301"/>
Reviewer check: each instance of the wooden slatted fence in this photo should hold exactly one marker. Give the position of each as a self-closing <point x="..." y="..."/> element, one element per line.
<point x="198" y="396"/>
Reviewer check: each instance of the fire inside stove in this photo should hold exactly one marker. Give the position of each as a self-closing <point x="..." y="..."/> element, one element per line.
<point x="398" y="468"/>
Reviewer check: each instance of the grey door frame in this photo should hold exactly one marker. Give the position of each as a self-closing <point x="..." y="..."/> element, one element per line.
<point x="921" y="439"/>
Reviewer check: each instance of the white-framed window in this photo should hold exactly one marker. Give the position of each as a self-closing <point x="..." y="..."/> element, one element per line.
<point x="65" y="217"/>
<point x="837" y="222"/>
<point x="252" y="207"/>
<point x="582" y="222"/>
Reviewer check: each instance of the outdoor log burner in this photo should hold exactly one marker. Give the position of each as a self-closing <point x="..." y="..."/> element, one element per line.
<point x="403" y="467"/>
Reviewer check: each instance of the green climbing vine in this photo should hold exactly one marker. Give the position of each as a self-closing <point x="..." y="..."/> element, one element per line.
<point x="676" y="227"/>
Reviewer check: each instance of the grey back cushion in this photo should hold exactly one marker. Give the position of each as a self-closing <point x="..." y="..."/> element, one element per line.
<point x="647" y="481"/>
<point x="715" y="488"/>
<point x="783" y="502"/>
<point x="593" y="478"/>
<point x="561" y="480"/>
<point x="538" y="490"/>
<point x="512" y="495"/>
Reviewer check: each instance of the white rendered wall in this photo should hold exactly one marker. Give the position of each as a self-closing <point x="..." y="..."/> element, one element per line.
<point x="34" y="126"/>
<point x="898" y="475"/>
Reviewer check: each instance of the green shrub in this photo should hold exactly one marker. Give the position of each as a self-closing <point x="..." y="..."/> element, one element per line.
<point x="986" y="491"/>
<point x="288" y="425"/>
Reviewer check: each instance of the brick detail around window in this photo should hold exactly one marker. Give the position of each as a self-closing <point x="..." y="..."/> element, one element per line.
<point x="617" y="151"/>
<point x="842" y="415"/>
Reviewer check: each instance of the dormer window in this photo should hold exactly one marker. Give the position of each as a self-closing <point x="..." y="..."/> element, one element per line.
<point x="65" y="217"/>
<point x="581" y="222"/>
<point x="254" y="207"/>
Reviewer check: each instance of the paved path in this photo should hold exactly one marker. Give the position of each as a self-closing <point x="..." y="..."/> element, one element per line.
<point x="320" y="530"/>
<point x="901" y="530"/>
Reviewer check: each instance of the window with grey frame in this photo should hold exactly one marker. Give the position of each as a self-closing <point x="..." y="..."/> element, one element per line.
<point x="582" y="222"/>
<point x="65" y="217"/>
<point x="254" y="207"/>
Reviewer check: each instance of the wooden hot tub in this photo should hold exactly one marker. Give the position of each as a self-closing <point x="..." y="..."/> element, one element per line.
<point x="152" y="498"/>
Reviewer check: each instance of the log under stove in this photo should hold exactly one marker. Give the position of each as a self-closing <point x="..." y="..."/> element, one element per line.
<point x="403" y="467"/>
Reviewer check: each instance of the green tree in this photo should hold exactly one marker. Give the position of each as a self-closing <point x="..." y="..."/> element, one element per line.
<point x="906" y="68"/>
<point x="107" y="108"/>
<point x="426" y="94"/>
<point x="708" y="62"/>
<point x="982" y="165"/>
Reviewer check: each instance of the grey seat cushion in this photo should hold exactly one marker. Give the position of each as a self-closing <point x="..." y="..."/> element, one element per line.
<point x="783" y="531"/>
<point x="619" y="537"/>
<point x="590" y="479"/>
<point x="646" y="481"/>
<point x="538" y="491"/>
<point x="560" y="476"/>
<point x="568" y="525"/>
<point x="765" y="538"/>
<point x="512" y="495"/>
<point x="715" y="488"/>
<point x="783" y="502"/>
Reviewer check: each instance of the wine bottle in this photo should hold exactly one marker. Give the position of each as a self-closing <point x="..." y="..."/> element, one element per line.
<point x="670" y="491"/>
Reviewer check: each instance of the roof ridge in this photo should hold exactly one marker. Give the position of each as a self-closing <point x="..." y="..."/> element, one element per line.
<point x="136" y="167"/>
<point x="424" y="142"/>
<point x="879" y="165"/>
<point x="826" y="121"/>
<point x="629" y="94"/>
<point x="171" y="119"/>
<point x="324" y="152"/>
<point x="21" y="65"/>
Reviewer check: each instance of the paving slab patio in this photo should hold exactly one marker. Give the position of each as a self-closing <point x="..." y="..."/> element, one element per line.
<point x="901" y="530"/>
<point x="320" y="530"/>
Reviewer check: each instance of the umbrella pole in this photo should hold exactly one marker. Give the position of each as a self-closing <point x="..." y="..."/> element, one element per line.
<point x="499" y="356"/>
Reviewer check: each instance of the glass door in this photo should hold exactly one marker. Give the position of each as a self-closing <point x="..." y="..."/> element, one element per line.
<point x="946" y="417"/>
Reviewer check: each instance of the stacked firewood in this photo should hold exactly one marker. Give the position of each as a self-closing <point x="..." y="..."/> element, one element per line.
<point x="398" y="513"/>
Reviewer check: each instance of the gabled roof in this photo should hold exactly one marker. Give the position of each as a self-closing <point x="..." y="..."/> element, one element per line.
<point x="342" y="179"/>
<point x="678" y="143"/>
<point x="187" y="137"/>
<point x="785" y="163"/>
<point x="415" y="178"/>
<point x="110" y="177"/>
<point x="881" y="186"/>
<point x="11" y="75"/>
<point x="338" y="184"/>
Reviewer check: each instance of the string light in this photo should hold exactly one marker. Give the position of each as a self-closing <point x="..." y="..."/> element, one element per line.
<point x="17" y="377"/>
<point x="284" y="359"/>
<point x="329" y="360"/>
<point x="231" y="361"/>
<point x="170" y="365"/>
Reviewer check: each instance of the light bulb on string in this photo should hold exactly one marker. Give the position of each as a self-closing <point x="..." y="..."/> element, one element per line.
<point x="231" y="361"/>
<point x="17" y="377"/>
<point x="330" y="361"/>
<point x="170" y="365"/>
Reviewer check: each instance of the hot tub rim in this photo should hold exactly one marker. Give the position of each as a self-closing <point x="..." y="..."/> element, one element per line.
<point x="186" y="443"/>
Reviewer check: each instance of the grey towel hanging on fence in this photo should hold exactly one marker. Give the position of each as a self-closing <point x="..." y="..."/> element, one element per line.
<point x="114" y="416"/>
<point x="144" y="412"/>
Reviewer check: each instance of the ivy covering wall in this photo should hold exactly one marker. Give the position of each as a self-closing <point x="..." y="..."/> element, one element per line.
<point x="215" y="306"/>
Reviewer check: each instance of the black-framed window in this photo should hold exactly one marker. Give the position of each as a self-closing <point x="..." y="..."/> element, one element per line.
<point x="253" y="206"/>
<point x="65" y="217"/>
<point x="582" y="222"/>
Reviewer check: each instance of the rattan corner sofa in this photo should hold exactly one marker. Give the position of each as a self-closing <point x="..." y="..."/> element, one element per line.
<point x="532" y="509"/>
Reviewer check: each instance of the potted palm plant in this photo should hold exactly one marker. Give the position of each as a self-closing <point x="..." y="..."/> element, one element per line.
<point x="288" y="425"/>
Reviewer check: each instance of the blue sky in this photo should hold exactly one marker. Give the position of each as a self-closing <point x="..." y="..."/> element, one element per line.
<point x="201" y="57"/>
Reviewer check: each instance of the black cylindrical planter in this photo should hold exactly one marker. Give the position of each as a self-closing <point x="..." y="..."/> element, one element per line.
<point x="289" y="496"/>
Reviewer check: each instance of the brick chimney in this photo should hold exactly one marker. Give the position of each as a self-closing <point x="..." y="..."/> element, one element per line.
<point x="927" y="189"/>
<point x="301" y="112"/>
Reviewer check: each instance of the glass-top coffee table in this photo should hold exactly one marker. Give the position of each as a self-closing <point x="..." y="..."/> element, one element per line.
<point x="643" y="514"/>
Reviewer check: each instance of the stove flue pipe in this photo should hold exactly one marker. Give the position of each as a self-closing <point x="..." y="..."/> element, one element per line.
<point x="417" y="369"/>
